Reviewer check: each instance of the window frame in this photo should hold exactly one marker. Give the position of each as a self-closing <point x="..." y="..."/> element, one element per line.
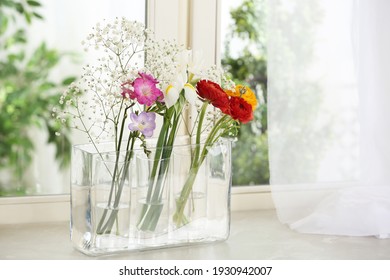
<point x="184" y="21"/>
<point x="207" y="14"/>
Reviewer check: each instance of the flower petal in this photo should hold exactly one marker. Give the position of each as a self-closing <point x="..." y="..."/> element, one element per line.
<point x="214" y="93"/>
<point x="145" y="90"/>
<point x="171" y="96"/>
<point x="190" y="93"/>
<point x="133" y="127"/>
<point x="181" y="79"/>
<point x="151" y="117"/>
<point x="148" y="132"/>
<point x="133" y="117"/>
<point x="240" y="109"/>
<point x="246" y="93"/>
<point x="144" y="122"/>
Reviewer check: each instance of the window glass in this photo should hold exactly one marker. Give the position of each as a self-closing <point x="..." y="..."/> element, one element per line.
<point x="41" y="51"/>
<point x="243" y="55"/>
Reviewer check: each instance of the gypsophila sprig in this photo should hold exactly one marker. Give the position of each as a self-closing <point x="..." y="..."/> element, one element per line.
<point x="136" y="80"/>
<point x="121" y="47"/>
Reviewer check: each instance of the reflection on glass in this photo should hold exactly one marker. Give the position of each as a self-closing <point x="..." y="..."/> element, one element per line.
<point x="244" y="57"/>
<point x="41" y="52"/>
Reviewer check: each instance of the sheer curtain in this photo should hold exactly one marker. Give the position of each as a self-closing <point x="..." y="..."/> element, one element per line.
<point x="329" y="116"/>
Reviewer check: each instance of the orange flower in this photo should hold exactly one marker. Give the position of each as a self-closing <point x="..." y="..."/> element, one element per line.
<point x="245" y="93"/>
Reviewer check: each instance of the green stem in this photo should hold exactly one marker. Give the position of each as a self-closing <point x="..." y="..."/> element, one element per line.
<point x="199" y="131"/>
<point x="213" y="136"/>
<point x="100" y="228"/>
<point x="181" y="202"/>
<point x="158" y="155"/>
<point x="179" y="217"/>
<point x="167" y="151"/>
<point x="144" y="219"/>
<point x="114" y="212"/>
<point x="152" y="208"/>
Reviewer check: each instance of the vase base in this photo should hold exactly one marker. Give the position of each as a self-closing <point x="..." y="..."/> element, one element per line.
<point x="188" y="235"/>
<point x="96" y="252"/>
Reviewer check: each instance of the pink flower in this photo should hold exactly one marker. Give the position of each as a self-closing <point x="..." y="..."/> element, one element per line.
<point x="126" y="91"/>
<point x="144" y="90"/>
<point x="145" y="123"/>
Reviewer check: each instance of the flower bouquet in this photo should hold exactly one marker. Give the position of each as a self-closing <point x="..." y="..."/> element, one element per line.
<point x="131" y="190"/>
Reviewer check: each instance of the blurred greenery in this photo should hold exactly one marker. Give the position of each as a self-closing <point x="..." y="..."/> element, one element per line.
<point x="245" y="59"/>
<point x="27" y="95"/>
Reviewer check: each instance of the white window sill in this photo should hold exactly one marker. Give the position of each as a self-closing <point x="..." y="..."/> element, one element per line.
<point x="41" y="209"/>
<point x="254" y="235"/>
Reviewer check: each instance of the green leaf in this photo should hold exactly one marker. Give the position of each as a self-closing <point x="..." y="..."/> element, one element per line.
<point x="46" y="86"/>
<point x="62" y="144"/>
<point x="67" y="81"/>
<point x="12" y="41"/>
<point x="19" y="7"/>
<point x="27" y="16"/>
<point x="7" y="3"/>
<point x="15" y="57"/>
<point x="3" y="24"/>
<point x="37" y="15"/>
<point x="34" y="3"/>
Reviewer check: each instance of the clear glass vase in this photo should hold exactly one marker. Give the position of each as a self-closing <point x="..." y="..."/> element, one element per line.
<point x="122" y="203"/>
<point x="154" y="180"/>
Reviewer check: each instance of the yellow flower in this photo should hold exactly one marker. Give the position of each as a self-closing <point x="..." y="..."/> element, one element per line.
<point x="245" y="93"/>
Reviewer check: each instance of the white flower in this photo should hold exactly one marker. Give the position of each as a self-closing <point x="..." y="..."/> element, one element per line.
<point x="172" y="91"/>
<point x="192" y="62"/>
<point x="171" y="95"/>
<point x="190" y="93"/>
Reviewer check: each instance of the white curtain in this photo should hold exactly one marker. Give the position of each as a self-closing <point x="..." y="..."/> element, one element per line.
<point x="329" y="115"/>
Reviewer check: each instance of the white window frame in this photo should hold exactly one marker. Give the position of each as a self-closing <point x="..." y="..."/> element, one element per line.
<point x="205" y="15"/>
<point x="186" y="22"/>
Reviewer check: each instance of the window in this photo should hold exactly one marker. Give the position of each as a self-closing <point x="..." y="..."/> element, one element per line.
<point x="243" y="55"/>
<point x="184" y="20"/>
<point x="206" y="36"/>
<point x="25" y="157"/>
<point x="241" y="50"/>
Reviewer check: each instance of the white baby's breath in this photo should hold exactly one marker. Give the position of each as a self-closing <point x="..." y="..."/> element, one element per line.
<point x="125" y="48"/>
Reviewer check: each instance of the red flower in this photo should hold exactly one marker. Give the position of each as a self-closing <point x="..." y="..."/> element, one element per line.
<point x="240" y="109"/>
<point x="214" y="93"/>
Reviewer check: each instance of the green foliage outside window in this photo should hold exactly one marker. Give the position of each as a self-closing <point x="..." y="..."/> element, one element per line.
<point x="249" y="66"/>
<point x="27" y="94"/>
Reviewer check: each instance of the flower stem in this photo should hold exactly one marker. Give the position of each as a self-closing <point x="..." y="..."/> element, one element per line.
<point x="153" y="207"/>
<point x="120" y="181"/>
<point x="179" y="218"/>
<point x="199" y="132"/>
<point x="106" y="228"/>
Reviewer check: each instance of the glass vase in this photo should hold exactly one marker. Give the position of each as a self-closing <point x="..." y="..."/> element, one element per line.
<point x="201" y="194"/>
<point x="140" y="202"/>
<point x="154" y="180"/>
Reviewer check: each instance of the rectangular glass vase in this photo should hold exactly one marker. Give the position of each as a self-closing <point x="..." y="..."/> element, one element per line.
<point x="133" y="202"/>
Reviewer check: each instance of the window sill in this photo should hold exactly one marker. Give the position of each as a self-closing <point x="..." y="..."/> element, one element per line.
<point x="56" y="208"/>
<point x="34" y="209"/>
<point x="255" y="235"/>
<point x="51" y="241"/>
